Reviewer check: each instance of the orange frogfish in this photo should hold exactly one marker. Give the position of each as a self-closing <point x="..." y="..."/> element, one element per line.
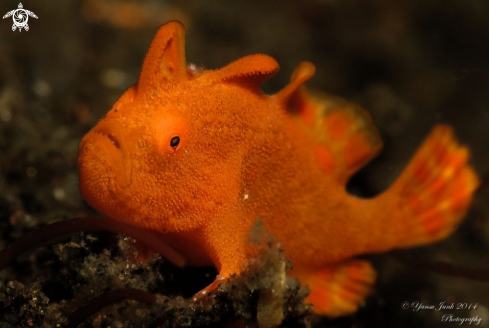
<point x="198" y="155"/>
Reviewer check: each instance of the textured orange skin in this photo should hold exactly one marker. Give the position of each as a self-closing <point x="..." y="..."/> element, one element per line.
<point x="238" y="142"/>
<point x="243" y="155"/>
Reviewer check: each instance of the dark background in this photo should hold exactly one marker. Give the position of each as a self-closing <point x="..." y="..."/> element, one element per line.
<point x="411" y="64"/>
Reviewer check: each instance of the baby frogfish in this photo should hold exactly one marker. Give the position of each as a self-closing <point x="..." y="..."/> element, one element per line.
<point x="198" y="155"/>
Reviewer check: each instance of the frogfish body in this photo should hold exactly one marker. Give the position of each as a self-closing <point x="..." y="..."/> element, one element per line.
<point x="198" y="155"/>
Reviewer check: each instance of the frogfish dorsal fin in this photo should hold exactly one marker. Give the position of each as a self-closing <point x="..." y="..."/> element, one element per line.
<point x="346" y="134"/>
<point x="301" y="74"/>
<point x="250" y="71"/>
<point x="165" y="61"/>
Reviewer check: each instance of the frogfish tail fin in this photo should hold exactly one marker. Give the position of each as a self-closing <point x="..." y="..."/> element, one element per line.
<point x="434" y="191"/>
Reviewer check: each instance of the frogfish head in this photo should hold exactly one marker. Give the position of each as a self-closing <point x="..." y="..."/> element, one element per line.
<point x="165" y="156"/>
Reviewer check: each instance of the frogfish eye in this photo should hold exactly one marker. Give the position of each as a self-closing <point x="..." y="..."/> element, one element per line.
<point x="170" y="134"/>
<point x="174" y="142"/>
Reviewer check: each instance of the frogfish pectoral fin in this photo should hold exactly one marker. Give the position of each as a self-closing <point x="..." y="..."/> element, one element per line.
<point x="338" y="290"/>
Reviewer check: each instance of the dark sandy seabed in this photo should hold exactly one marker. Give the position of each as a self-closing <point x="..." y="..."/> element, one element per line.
<point x="412" y="64"/>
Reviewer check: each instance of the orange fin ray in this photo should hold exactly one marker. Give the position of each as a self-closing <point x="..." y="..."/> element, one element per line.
<point x="340" y="289"/>
<point x="435" y="189"/>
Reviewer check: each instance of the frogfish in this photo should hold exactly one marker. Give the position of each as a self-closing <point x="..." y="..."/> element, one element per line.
<point x="199" y="155"/>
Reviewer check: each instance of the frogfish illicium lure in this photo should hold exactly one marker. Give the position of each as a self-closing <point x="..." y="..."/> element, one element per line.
<point x="198" y="155"/>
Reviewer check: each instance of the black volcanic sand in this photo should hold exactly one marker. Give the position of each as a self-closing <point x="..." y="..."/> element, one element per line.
<point x="411" y="64"/>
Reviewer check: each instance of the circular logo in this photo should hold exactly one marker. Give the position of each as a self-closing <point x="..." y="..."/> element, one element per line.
<point x="20" y="17"/>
